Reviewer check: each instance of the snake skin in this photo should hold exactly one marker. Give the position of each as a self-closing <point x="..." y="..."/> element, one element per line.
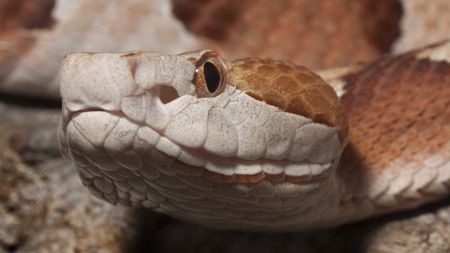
<point x="397" y="157"/>
<point x="333" y="33"/>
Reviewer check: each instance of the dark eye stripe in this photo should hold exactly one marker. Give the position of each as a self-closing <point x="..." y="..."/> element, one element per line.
<point x="212" y="76"/>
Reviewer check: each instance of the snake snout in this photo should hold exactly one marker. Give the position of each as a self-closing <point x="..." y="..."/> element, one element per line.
<point x="89" y="80"/>
<point x="95" y="81"/>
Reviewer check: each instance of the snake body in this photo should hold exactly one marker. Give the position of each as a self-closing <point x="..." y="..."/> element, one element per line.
<point x="259" y="144"/>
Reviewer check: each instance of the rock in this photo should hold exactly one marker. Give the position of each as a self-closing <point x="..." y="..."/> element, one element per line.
<point x="44" y="207"/>
<point x="22" y="195"/>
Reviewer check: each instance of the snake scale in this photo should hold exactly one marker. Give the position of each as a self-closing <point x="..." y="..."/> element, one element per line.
<point x="259" y="144"/>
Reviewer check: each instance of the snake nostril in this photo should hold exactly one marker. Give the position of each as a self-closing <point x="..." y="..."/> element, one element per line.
<point x="168" y="94"/>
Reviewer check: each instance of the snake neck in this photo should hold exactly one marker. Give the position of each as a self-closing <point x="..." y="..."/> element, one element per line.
<point x="398" y="151"/>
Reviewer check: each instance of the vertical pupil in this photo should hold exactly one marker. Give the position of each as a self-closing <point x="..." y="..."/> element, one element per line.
<point x="212" y="76"/>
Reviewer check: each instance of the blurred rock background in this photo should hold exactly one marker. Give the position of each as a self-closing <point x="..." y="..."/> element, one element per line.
<point x="43" y="206"/>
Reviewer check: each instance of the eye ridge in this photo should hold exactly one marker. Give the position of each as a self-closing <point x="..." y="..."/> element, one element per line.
<point x="212" y="76"/>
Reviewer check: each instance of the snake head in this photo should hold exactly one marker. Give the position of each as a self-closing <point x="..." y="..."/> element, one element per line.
<point x="188" y="134"/>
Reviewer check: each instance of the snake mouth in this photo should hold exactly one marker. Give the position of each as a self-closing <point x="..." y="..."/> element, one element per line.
<point x="310" y="174"/>
<point x="213" y="167"/>
<point x="154" y="147"/>
<point x="73" y="114"/>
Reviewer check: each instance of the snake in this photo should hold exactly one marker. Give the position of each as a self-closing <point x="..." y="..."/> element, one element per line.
<point x="258" y="144"/>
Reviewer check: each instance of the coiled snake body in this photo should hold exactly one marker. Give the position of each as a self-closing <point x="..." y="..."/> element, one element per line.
<point x="258" y="144"/>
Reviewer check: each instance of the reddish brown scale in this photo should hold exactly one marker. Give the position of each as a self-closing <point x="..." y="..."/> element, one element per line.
<point x="219" y="177"/>
<point x="18" y="19"/>
<point x="320" y="33"/>
<point x="291" y="88"/>
<point x="398" y="107"/>
<point x="250" y="178"/>
<point x="275" y="177"/>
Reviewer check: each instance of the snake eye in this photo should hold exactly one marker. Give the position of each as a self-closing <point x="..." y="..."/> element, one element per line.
<point x="210" y="78"/>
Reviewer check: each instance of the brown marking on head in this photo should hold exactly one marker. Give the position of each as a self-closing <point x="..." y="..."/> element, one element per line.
<point x="291" y="88"/>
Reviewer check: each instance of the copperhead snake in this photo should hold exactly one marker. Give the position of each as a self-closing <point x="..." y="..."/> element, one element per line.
<point x="259" y="144"/>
